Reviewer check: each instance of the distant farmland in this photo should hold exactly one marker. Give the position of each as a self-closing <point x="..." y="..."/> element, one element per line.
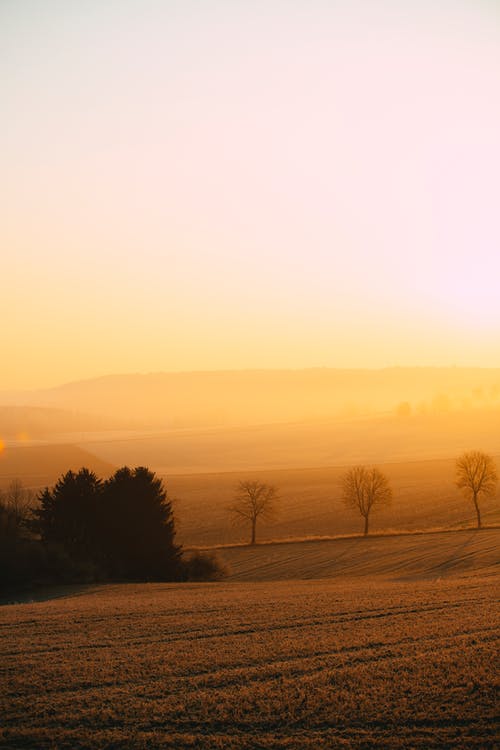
<point x="424" y="498"/>
<point x="297" y="665"/>
<point x="321" y="443"/>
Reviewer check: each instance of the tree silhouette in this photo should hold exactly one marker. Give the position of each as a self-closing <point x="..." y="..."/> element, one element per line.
<point x="138" y="526"/>
<point x="18" y="501"/>
<point x="20" y="560"/>
<point x="363" y="488"/>
<point x="253" y="500"/>
<point x="68" y="513"/>
<point x="476" y="475"/>
<point x="124" y="526"/>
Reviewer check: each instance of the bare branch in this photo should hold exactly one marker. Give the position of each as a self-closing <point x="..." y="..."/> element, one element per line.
<point x="253" y="500"/>
<point x="363" y="488"/>
<point x="476" y="475"/>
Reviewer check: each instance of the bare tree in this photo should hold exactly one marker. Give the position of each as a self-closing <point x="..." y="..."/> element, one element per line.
<point x="476" y="475"/>
<point x="253" y="500"/>
<point x="363" y="488"/>
<point x="19" y="500"/>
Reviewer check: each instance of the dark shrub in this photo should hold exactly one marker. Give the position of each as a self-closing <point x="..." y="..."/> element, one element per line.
<point x="203" y="566"/>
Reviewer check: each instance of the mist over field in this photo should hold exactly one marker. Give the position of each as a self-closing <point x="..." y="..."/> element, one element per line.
<point x="227" y="421"/>
<point x="298" y="430"/>
<point x="250" y="375"/>
<point x="315" y="636"/>
<point x="234" y="398"/>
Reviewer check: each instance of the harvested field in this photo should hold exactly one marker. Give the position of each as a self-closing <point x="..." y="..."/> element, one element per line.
<point x="310" y="504"/>
<point x="413" y="556"/>
<point x="363" y="663"/>
<point x="425" y="495"/>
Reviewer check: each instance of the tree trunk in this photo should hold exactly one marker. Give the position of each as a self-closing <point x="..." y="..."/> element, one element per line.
<point x="365" y="533"/>
<point x="478" y="512"/>
<point x="254" y="524"/>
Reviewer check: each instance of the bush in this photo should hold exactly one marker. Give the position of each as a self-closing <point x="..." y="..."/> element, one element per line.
<point x="21" y="562"/>
<point x="202" y="566"/>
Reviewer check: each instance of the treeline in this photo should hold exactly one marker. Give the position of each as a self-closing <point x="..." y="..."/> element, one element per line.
<point x="364" y="489"/>
<point x="85" y="529"/>
<point x="123" y="528"/>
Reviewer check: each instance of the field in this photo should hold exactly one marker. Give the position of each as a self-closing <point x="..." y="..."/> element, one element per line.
<point x="385" y="642"/>
<point x="310" y="503"/>
<point x="402" y="557"/>
<point x="321" y="443"/>
<point x="202" y="466"/>
<point x="359" y="662"/>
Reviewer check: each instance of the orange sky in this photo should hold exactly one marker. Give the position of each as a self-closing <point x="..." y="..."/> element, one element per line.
<point x="232" y="185"/>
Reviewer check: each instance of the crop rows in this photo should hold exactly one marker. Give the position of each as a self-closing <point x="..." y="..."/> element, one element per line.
<point x="285" y="665"/>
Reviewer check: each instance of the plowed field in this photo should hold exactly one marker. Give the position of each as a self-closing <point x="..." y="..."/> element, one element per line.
<point x="336" y="663"/>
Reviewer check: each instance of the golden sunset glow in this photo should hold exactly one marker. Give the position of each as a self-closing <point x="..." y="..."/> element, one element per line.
<point x="250" y="374"/>
<point x="229" y="185"/>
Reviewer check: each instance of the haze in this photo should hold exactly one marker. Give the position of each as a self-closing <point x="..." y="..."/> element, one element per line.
<point x="229" y="185"/>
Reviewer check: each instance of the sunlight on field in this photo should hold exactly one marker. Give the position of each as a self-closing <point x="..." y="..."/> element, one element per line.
<point x="250" y="382"/>
<point x="325" y="442"/>
<point x="402" y="557"/>
<point x="425" y="497"/>
<point x="314" y="664"/>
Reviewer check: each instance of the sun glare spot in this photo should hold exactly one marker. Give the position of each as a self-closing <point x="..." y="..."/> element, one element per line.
<point x="2" y="446"/>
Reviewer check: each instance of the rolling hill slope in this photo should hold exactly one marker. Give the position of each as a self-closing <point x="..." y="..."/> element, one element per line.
<point x="41" y="465"/>
<point x="310" y="503"/>
<point x="198" y="399"/>
<point x="334" y="442"/>
<point x="405" y="557"/>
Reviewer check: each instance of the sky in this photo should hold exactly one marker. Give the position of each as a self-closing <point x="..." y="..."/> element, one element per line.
<point x="202" y="185"/>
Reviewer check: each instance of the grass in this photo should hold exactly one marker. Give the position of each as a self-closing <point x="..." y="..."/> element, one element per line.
<point x="299" y="665"/>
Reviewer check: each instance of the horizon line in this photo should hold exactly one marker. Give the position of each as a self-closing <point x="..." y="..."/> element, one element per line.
<point x="255" y="370"/>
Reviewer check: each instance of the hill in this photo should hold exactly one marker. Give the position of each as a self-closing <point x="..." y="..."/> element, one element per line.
<point x="404" y="557"/>
<point x="310" y="504"/>
<point x="41" y="465"/>
<point x="194" y="399"/>
<point x="425" y="497"/>
<point x="325" y="443"/>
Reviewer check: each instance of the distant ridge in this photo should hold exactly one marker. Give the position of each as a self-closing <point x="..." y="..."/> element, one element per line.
<point x="239" y="397"/>
<point x="161" y="374"/>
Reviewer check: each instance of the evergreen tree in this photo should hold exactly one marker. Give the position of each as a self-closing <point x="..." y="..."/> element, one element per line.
<point x="138" y="527"/>
<point x="68" y="514"/>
